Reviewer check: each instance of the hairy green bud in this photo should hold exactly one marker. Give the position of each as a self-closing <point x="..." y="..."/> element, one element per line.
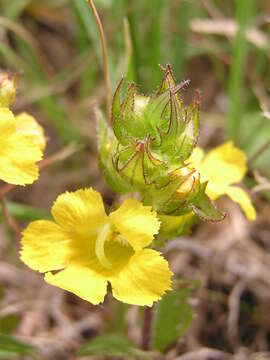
<point x="148" y="147"/>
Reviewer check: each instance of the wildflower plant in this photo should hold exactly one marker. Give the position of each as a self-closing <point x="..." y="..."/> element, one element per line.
<point x="147" y="146"/>
<point x="163" y="183"/>
<point x="150" y="150"/>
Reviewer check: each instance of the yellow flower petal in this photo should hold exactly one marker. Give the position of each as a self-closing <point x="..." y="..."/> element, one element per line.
<point x="7" y="125"/>
<point x="18" y="155"/>
<point x="45" y="247"/>
<point x="214" y="190"/>
<point x="136" y="223"/>
<point x="239" y="196"/>
<point x="224" y="165"/>
<point x="81" y="281"/>
<point x="144" y="279"/>
<point x="81" y="211"/>
<point x="27" y="125"/>
<point x="196" y="158"/>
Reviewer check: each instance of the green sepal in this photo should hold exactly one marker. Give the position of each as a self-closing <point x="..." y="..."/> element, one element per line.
<point x="189" y="138"/>
<point x="137" y="165"/>
<point x="203" y="206"/>
<point x="163" y="198"/>
<point x="106" y="145"/>
<point x="117" y="118"/>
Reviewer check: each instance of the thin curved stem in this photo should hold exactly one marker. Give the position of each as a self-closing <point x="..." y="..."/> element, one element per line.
<point x="105" y="58"/>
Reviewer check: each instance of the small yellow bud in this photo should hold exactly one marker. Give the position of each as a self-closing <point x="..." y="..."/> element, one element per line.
<point x="8" y="85"/>
<point x="191" y="175"/>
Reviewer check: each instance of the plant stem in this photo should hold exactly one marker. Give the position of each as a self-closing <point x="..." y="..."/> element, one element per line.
<point x="11" y="222"/>
<point x="105" y="58"/>
<point x="147" y="325"/>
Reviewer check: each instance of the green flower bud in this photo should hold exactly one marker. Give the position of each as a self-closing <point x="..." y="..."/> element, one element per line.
<point x="146" y="149"/>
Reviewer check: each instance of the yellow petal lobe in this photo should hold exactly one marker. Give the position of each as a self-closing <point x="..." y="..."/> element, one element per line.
<point x="196" y="158"/>
<point x="27" y="125"/>
<point x="224" y="165"/>
<point x="81" y="281"/>
<point x="136" y="223"/>
<point x="143" y="280"/>
<point x="239" y="196"/>
<point x="81" y="212"/>
<point x="45" y="247"/>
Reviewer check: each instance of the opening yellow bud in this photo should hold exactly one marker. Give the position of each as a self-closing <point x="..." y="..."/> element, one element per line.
<point x="192" y="176"/>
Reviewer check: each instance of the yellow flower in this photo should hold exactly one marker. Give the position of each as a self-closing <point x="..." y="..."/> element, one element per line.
<point x="19" y="149"/>
<point x="221" y="167"/>
<point x="90" y="249"/>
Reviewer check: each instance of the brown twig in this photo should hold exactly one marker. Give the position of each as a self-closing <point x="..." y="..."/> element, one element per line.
<point x="205" y="354"/>
<point x="234" y="312"/>
<point x="11" y="222"/>
<point x="105" y="58"/>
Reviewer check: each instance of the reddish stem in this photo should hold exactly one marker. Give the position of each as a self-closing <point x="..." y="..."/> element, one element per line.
<point x="147" y="325"/>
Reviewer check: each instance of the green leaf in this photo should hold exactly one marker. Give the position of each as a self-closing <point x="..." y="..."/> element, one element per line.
<point x="112" y="345"/>
<point x="10" y="348"/>
<point x="25" y="212"/>
<point x="172" y="318"/>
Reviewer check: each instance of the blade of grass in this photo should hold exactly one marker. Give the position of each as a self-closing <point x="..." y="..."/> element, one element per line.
<point x="129" y="54"/>
<point x="13" y="9"/>
<point x="184" y="13"/>
<point x="244" y="11"/>
<point x="155" y="11"/>
<point x="89" y="75"/>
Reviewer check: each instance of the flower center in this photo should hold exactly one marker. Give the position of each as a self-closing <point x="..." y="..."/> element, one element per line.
<point x="104" y="235"/>
<point x="111" y="248"/>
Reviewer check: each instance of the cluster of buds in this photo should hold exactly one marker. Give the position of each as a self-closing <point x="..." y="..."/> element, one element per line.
<point x="148" y="148"/>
